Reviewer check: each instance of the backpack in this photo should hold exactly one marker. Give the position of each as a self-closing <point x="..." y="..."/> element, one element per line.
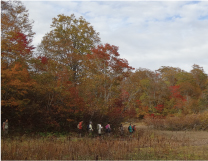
<point x="78" y="126"/>
<point x="129" y="128"/>
<point x="134" y="128"/>
<point x="88" y="127"/>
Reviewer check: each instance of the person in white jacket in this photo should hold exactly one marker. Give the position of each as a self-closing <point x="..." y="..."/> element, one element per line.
<point x="99" y="127"/>
<point x="90" y="129"/>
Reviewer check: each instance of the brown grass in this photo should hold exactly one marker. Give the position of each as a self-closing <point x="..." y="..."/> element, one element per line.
<point x="177" y="123"/>
<point x="144" y="144"/>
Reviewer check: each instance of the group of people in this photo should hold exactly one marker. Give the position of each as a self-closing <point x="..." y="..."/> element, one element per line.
<point x="90" y="128"/>
<point x="131" y="128"/>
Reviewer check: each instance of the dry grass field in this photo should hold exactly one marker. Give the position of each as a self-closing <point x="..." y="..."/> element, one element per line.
<point x="144" y="144"/>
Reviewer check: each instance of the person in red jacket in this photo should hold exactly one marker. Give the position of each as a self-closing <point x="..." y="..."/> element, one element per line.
<point x="80" y="128"/>
<point x="134" y="128"/>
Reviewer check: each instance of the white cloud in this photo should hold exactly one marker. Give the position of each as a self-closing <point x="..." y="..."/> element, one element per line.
<point x="149" y="34"/>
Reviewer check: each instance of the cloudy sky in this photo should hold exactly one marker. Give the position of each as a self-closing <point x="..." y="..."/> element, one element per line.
<point x="149" y="34"/>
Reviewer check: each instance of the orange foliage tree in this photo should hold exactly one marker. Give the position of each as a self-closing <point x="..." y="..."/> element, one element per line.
<point x="16" y="50"/>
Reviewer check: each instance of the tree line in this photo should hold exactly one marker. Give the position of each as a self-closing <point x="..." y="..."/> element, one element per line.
<point x="72" y="76"/>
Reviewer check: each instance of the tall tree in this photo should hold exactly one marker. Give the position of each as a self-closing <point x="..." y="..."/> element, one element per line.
<point x="203" y="99"/>
<point x="104" y="72"/>
<point x="68" y="41"/>
<point x="16" y="50"/>
<point x="168" y="74"/>
<point x="199" y="76"/>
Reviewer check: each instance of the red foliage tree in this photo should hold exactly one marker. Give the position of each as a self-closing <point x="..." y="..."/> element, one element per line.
<point x="175" y="93"/>
<point x="43" y="59"/>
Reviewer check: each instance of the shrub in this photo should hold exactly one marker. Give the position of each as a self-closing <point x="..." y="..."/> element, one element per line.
<point x="183" y="122"/>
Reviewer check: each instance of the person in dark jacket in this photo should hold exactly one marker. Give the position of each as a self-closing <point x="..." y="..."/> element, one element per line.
<point x="121" y="129"/>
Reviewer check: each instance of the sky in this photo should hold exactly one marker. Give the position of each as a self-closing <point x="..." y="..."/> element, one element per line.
<point x="149" y="34"/>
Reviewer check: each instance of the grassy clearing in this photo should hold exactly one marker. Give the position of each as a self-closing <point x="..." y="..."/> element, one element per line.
<point x="144" y="144"/>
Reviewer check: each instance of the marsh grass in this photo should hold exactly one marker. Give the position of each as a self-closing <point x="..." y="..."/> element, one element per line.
<point x="144" y="144"/>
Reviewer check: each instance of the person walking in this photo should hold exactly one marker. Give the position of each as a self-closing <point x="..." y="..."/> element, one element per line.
<point x="80" y="128"/>
<point x="121" y="129"/>
<point x="134" y="128"/>
<point x="108" y="129"/>
<point x="130" y="129"/>
<point x="6" y="127"/>
<point x="99" y="127"/>
<point x="90" y="129"/>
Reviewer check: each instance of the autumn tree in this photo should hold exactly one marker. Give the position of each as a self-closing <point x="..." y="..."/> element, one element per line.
<point x="59" y="67"/>
<point x="199" y="76"/>
<point x="101" y="85"/>
<point x="16" y="51"/>
<point x="196" y="87"/>
<point x="68" y="41"/>
<point x="203" y="99"/>
<point x="16" y="32"/>
<point x="15" y="99"/>
<point x="56" y="97"/>
<point x="147" y="91"/>
<point x="168" y="74"/>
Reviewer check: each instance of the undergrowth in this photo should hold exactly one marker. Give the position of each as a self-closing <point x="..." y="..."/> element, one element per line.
<point x="183" y="122"/>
